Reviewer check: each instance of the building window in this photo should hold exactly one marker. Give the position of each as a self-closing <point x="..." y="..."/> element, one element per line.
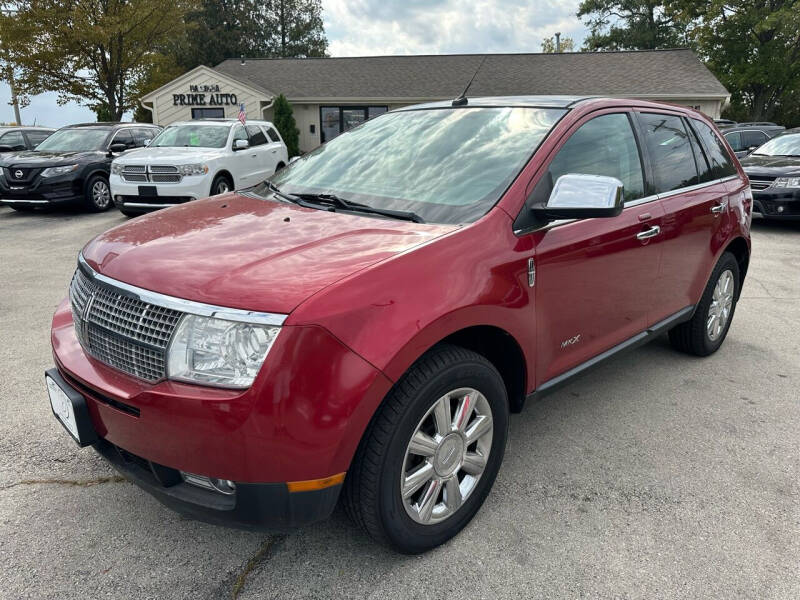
<point x="338" y="119"/>
<point x="208" y="113"/>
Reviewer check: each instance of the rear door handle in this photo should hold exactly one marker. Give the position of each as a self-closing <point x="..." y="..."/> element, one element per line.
<point x="648" y="233"/>
<point x="718" y="209"/>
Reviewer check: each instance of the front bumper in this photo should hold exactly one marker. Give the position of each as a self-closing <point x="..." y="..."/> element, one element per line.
<point x="140" y="197"/>
<point x="41" y="191"/>
<point x="777" y="204"/>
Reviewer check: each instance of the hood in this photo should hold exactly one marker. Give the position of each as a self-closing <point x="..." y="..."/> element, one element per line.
<point x="32" y="158"/>
<point x="772" y="165"/>
<point x="243" y="252"/>
<point x="160" y="155"/>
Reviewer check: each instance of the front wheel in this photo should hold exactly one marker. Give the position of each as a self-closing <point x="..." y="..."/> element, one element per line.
<point x="221" y="185"/>
<point x="705" y="332"/>
<point x="432" y="452"/>
<point x="97" y="197"/>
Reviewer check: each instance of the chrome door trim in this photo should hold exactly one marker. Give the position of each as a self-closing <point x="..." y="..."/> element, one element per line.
<point x="181" y="304"/>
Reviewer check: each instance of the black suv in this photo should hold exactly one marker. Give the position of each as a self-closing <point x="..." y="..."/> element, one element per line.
<point x="774" y="172"/>
<point x="15" y="139"/>
<point x="71" y="165"/>
<point x="746" y="137"/>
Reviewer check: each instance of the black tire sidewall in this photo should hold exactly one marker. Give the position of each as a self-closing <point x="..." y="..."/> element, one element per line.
<point x="216" y="182"/>
<point x="89" y="195"/>
<point x="725" y="263"/>
<point x="403" y="532"/>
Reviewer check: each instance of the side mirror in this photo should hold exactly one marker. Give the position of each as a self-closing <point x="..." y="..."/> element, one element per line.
<point x="577" y="196"/>
<point x="240" y="145"/>
<point x="751" y="148"/>
<point x="147" y="142"/>
<point x="10" y="149"/>
<point x="118" y="147"/>
<point x="294" y="158"/>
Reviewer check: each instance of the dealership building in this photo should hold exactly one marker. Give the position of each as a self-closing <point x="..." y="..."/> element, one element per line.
<point x="331" y="95"/>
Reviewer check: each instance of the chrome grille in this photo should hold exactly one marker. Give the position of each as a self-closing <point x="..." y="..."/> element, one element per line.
<point x="134" y="177"/>
<point x="121" y="331"/>
<point x="153" y="174"/>
<point x="134" y="169"/>
<point x="163" y="169"/>
<point x="760" y="184"/>
<point x="157" y="178"/>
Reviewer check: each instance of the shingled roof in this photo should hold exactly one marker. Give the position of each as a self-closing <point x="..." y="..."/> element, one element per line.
<point x="653" y="73"/>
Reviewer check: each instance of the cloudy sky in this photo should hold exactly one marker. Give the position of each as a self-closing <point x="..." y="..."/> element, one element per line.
<point x="374" y="27"/>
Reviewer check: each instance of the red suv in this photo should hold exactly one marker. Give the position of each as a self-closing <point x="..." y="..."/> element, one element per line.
<point x="361" y="325"/>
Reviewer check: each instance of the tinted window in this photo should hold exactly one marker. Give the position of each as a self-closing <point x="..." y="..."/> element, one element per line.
<point x="124" y="136"/>
<point x="13" y="139"/>
<point x="670" y="151"/>
<point x="142" y="134"/>
<point x="735" y="140"/>
<point x="721" y="163"/>
<point x="374" y="111"/>
<point x="37" y="137"/>
<point x="208" y="113"/>
<point x="448" y="165"/>
<point x="273" y="135"/>
<point x="753" y="139"/>
<point x="700" y="158"/>
<point x="256" y="136"/>
<point x="603" y="146"/>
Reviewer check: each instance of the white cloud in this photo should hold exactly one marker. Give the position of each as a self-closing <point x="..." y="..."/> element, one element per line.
<point x="370" y="27"/>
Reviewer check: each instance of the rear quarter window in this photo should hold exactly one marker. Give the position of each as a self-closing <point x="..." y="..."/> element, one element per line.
<point x="721" y="162"/>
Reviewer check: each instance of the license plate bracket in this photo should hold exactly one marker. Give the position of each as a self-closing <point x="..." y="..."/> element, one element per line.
<point x="148" y="191"/>
<point x="69" y="408"/>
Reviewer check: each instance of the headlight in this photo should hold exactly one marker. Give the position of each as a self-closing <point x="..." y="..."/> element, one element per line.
<point x="787" y="182"/>
<point x="216" y="352"/>
<point x="53" y="171"/>
<point x="197" y="169"/>
<point x="116" y="169"/>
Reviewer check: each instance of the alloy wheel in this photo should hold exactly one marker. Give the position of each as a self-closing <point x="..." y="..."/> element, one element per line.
<point x="101" y="195"/>
<point x="446" y="456"/>
<point x="721" y="304"/>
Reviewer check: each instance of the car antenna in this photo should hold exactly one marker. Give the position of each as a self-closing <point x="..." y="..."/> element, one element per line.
<point x="462" y="99"/>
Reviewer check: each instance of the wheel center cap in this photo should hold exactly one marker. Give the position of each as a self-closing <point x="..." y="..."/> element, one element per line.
<point x="449" y="454"/>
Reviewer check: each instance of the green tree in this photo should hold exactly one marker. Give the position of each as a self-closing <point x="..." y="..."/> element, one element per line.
<point x="630" y="25"/>
<point x="300" y="29"/>
<point x="96" y="52"/>
<point x="549" y="45"/>
<point x="752" y="47"/>
<point x="283" y="119"/>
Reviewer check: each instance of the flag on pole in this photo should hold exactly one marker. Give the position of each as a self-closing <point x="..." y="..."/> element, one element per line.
<point x="242" y="117"/>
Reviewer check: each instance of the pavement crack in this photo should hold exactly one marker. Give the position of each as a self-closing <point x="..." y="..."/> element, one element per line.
<point x="72" y="482"/>
<point x="261" y="556"/>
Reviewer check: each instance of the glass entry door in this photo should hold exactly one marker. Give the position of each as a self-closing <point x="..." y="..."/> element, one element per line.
<point x="338" y="119"/>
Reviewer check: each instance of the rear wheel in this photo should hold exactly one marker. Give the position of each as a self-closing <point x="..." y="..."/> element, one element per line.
<point x="97" y="196"/>
<point x="432" y="452"/>
<point x="707" y="329"/>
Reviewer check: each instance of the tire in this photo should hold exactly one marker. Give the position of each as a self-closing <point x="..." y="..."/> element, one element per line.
<point x="130" y="213"/>
<point x="221" y="185"/>
<point x="97" y="196"/>
<point x="703" y="335"/>
<point x="279" y="166"/>
<point x="372" y="495"/>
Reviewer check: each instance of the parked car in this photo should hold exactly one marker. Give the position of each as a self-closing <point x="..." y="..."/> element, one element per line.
<point x="196" y="159"/>
<point x="16" y="139"/>
<point x="360" y="326"/>
<point x="724" y="122"/>
<point x="70" y="166"/>
<point x="774" y="172"/>
<point x="746" y="137"/>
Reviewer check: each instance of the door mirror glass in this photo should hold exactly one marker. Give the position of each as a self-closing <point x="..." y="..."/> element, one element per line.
<point x="240" y="144"/>
<point x="577" y="196"/>
<point x="118" y="147"/>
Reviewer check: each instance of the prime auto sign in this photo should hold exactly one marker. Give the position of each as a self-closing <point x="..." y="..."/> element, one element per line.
<point x="204" y="95"/>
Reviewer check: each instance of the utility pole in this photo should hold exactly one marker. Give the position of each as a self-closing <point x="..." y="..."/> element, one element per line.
<point x="9" y="72"/>
<point x="558" y="43"/>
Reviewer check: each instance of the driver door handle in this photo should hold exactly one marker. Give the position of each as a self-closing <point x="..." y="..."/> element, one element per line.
<point x="718" y="209"/>
<point x="648" y="233"/>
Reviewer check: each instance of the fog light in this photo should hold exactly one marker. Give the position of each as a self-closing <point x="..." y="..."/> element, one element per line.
<point x="780" y="209"/>
<point x="223" y="486"/>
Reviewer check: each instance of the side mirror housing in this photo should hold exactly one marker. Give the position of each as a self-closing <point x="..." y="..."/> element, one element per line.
<point x="577" y="196"/>
<point x="118" y="147"/>
<point x="147" y="142"/>
<point x="240" y="145"/>
<point x="6" y="149"/>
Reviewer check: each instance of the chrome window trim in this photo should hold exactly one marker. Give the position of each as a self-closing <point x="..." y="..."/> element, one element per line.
<point x="182" y="305"/>
<point x="639" y="202"/>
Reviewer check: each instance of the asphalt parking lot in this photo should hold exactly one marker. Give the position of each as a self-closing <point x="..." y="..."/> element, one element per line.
<point x="656" y="476"/>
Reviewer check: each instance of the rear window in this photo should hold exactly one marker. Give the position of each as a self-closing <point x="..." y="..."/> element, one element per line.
<point x="721" y="163"/>
<point x="670" y="151"/>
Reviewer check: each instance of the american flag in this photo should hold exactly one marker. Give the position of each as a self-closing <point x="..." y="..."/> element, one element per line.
<point x="242" y="117"/>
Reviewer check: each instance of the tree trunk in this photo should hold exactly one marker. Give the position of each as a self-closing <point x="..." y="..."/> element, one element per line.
<point x="283" y="28"/>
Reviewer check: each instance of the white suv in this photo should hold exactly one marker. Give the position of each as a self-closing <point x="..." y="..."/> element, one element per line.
<point x="196" y="159"/>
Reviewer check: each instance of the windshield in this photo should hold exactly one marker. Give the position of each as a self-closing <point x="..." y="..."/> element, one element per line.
<point x="193" y="136"/>
<point x="783" y="145"/>
<point x="446" y="165"/>
<point x="75" y="140"/>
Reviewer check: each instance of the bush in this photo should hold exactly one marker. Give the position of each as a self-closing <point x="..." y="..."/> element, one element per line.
<point x="284" y="122"/>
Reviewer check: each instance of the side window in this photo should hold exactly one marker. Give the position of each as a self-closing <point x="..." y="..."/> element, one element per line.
<point x="256" y="136"/>
<point x="700" y="158"/>
<point x="721" y="163"/>
<point x="142" y="135"/>
<point x="273" y="135"/>
<point x="603" y="146"/>
<point x="753" y="138"/>
<point x="239" y="133"/>
<point x="124" y="136"/>
<point x="14" y="140"/>
<point x="670" y="152"/>
<point x="37" y="137"/>
<point x="735" y="140"/>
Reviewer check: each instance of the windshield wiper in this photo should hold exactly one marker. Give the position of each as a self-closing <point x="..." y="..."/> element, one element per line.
<point x="277" y="191"/>
<point x="404" y="215"/>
